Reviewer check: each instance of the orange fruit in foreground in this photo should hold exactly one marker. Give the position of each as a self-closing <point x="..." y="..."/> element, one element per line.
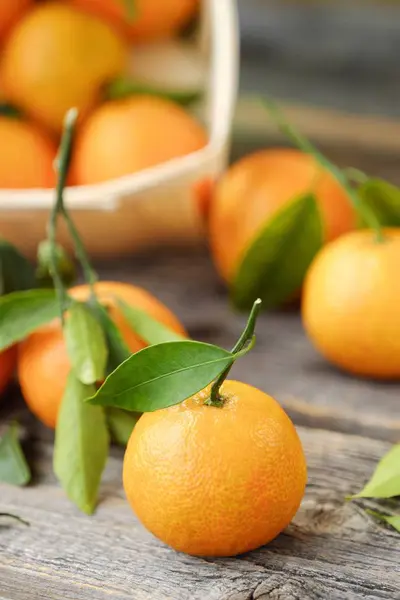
<point x="26" y="155"/>
<point x="7" y="365"/>
<point x="58" y="57"/>
<point x="256" y="187"/>
<point x="153" y="18"/>
<point x="351" y="302"/>
<point x="10" y="12"/>
<point x="43" y="363"/>
<point x="216" y="481"/>
<point x="126" y="136"/>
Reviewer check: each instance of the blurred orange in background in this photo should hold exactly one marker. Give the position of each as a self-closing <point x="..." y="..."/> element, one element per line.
<point x="58" y="57"/>
<point x="152" y="19"/>
<point x="10" y="11"/>
<point x="126" y="136"/>
<point x="258" y="185"/>
<point x="26" y="155"/>
<point x="8" y="360"/>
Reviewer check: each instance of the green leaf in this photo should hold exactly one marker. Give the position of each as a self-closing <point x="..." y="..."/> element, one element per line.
<point x="162" y="375"/>
<point x="383" y="199"/>
<point x="81" y="445"/>
<point x="385" y="482"/>
<point x="65" y="265"/>
<point x="393" y="520"/>
<point x="13" y="466"/>
<point x="16" y="272"/>
<point x="23" y="312"/>
<point x="274" y="265"/>
<point x="86" y="344"/>
<point x="121" y="424"/>
<point x="148" y="328"/>
<point x="124" y="88"/>
<point x="118" y="350"/>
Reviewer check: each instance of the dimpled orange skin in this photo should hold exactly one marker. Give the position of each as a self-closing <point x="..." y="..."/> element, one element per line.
<point x="153" y="18"/>
<point x="56" y="58"/>
<point x="43" y="363"/>
<point x="254" y="188"/>
<point x="22" y="139"/>
<point x="10" y="12"/>
<point x="216" y="481"/>
<point x="7" y="365"/>
<point x="158" y="129"/>
<point x="351" y="302"/>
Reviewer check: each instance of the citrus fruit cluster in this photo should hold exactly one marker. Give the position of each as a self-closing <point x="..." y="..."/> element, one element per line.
<point x="57" y="55"/>
<point x="285" y="224"/>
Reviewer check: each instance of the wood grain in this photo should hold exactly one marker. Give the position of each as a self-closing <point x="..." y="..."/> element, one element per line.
<point x="332" y="550"/>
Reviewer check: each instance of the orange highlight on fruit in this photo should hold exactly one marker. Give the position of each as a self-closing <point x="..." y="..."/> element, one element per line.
<point x="43" y="363"/>
<point x="126" y="136"/>
<point x="216" y="481"/>
<point x="351" y="302"/>
<point x="257" y="186"/>
<point x="26" y="155"/>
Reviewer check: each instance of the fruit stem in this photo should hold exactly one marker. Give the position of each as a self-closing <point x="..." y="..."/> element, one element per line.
<point x="306" y="146"/>
<point x="63" y="162"/>
<point x="246" y="341"/>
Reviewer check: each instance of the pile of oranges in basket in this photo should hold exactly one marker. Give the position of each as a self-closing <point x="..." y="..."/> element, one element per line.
<point x="55" y="55"/>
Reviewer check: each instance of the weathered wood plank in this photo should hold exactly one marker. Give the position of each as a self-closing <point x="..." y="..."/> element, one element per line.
<point x="332" y="550"/>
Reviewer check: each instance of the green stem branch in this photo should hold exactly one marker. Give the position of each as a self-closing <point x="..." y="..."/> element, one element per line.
<point x="246" y="340"/>
<point x="306" y="146"/>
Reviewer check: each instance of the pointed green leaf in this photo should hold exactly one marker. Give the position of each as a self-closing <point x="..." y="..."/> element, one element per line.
<point x="393" y="520"/>
<point x="124" y="88"/>
<point x="383" y="199"/>
<point x="274" y="265"/>
<point x="81" y="445"/>
<point x="86" y="344"/>
<point x="162" y="375"/>
<point x="16" y="272"/>
<point x="385" y="482"/>
<point x="148" y="328"/>
<point x="118" y="350"/>
<point x="13" y="466"/>
<point x="121" y="424"/>
<point x="23" y="312"/>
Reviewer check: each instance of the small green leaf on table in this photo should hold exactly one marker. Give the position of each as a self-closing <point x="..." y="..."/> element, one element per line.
<point x="162" y="375"/>
<point x="118" y="350"/>
<point x="385" y="482"/>
<point x="16" y="272"/>
<point x="23" y="312"/>
<point x="86" y="344"/>
<point x="81" y="445"/>
<point x="121" y="424"/>
<point x="124" y="88"/>
<point x="274" y="265"/>
<point x="13" y="466"/>
<point x="392" y="520"/>
<point x="147" y="328"/>
<point x="383" y="199"/>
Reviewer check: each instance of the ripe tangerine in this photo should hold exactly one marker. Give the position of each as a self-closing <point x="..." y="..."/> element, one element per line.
<point x="351" y="301"/>
<point x="253" y="189"/>
<point x="126" y="136"/>
<point x="43" y="363"/>
<point x="216" y="481"/>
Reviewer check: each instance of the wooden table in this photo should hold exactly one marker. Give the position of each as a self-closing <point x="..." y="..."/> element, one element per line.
<point x="332" y="551"/>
